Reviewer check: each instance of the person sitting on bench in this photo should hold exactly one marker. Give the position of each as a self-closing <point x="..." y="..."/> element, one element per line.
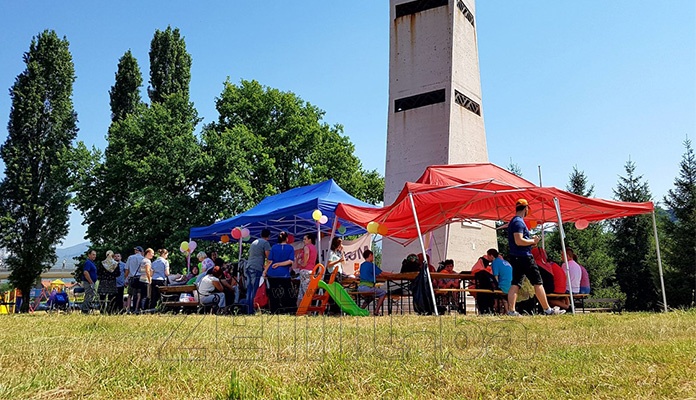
<point x="368" y="278"/>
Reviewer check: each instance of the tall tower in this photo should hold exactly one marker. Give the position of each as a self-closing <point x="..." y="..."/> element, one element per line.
<point x="435" y="113"/>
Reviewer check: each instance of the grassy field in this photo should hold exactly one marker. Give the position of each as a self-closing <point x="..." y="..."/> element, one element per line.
<point x="205" y="357"/>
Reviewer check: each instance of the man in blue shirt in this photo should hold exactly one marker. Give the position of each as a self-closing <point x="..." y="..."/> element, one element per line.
<point x="521" y="242"/>
<point x="368" y="278"/>
<point x="89" y="277"/>
<point x="120" y="282"/>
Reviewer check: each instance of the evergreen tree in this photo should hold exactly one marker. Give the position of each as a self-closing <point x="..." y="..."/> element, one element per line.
<point x="633" y="246"/>
<point x="34" y="195"/>
<point x="125" y="93"/>
<point x="681" y="231"/>
<point x="590" y="245"/>
<point x="170" y="65"/>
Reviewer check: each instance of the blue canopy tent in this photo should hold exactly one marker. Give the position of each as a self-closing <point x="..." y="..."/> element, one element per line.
<point x="289" y="211"/>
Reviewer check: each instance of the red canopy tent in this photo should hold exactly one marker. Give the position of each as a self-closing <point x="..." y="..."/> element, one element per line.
<point x="458" y="193"/>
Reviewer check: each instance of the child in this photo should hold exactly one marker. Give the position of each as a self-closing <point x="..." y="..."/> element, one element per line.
<point x="368" y="277"/>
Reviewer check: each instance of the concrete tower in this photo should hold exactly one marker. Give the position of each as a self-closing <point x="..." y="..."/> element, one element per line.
<point x="435" y="113"/>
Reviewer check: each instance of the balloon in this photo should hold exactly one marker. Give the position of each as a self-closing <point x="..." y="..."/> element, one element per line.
<point x="182" y="250"/>
<point x="316" y="215"/>
<point x="184" y="246"/>
<point x="373" y="227"/>
<point x="532" y="224"/>
<point x="245" y="232"/>
<point x="225" y="239"/>
<point x="192" y="246"/>
<point x="581" y="224"/>
<point x="236" y="233"/>
<point x="342" y="230"/>
<point x="382" y="230"/>
<point x="291" y="239"/>
<point x="324" y="219"/>
<point x="246" y="238"/>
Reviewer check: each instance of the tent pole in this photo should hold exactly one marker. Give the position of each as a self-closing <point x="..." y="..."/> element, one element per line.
<point x="565" y="256"/>
<point x="447" y="232"/>
<point x="420" y="238"/>
<point x="543" y="232"/>
<point x="659" y="262"/>
<point x="318" y="243"/>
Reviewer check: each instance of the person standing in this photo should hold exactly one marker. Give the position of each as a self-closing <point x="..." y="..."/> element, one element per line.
<point x="89" y="278"/>
<point x="522" y="261"/>
<point x="120" y="282"/>
<point x="160" y="273"/>
<point x="145" y="274"/>
<point x="131" y="276"/>
<point x="107" y="272"/>
<point x="277" y="273"/>
<point x="256" y="263"/>
<point x="306" y="265"/>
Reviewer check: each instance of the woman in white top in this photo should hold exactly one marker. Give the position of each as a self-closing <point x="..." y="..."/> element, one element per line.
<point x="145" y="272"/>
<point x="210" y="286"/>
<point x="574" y="270"/>
<point x="336" y="258"/>
<point x="160" y="272"/>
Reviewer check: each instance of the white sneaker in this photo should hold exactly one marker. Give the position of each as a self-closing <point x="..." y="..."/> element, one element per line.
<point x="513" y="314"/>
<point x="554" y="311"/>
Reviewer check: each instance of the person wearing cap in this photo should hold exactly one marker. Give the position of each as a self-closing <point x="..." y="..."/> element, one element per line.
<point x="131" y="275"/>
<point x="522" y="261"/>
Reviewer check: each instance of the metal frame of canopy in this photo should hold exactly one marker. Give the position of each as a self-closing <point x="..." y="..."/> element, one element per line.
<point x="442" y="211"/>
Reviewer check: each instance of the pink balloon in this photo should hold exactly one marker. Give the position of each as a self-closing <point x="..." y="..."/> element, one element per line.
<point x="324" y="219"/>
<point x="245" y="232"/>
<point x="236" y="233"/>
<point x="192" y="246"/>
<point x="581" y="224"/>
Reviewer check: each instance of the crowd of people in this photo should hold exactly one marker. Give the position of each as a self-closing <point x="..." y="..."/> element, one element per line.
<point x="217" y="284"/>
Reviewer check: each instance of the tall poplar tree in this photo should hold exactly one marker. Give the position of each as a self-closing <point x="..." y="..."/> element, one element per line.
<point x="34" y="195"/>
<point x="632" y="246"/>
<point x="170" y="65"/>
<point x="125" y="93"/>
<point x="681" y="232"/>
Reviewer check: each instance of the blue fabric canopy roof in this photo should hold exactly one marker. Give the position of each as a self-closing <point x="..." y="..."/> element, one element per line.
<point x="289" y="211"/>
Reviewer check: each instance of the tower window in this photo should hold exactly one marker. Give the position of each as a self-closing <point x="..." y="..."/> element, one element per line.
<point x="420" y="100"/>
<point x="467" y="103"/>
<point x="467" y="14"/>
<point x="417" y="6"/>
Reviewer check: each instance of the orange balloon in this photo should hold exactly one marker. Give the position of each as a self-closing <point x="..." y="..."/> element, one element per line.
<point x="382" y="230"/>
<point x="532" y="224"/>
<point x="225" y="239"/>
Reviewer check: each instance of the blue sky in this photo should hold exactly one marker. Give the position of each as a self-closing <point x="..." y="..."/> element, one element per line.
<point x="585" y="83"/>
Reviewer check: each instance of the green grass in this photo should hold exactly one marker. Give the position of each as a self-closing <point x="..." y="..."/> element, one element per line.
<point x="633" y="355"/>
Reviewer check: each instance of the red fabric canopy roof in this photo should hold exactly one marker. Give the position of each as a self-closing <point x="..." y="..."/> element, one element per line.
<point x="488" y="199"/>
<point x="455" y="174"/>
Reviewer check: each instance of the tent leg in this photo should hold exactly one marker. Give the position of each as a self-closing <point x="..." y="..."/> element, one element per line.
<point x="565" y="256"/>
<point x="420" y="238"/>
<point x="659" y="262"/>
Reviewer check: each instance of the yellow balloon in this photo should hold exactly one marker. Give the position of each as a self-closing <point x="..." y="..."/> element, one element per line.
<point x="373" y="227"/>
<point x="184" y="246"/>
<point x="316" y="215"/>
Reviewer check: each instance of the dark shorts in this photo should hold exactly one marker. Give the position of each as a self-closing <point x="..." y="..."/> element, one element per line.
<point x="524" y="266"/>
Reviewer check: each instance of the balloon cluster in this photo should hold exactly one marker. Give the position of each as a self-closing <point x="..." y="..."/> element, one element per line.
<point x="188" y="247"/>
<point x="238" y="233"/>
<point x="319" y="217"/>
<point x="376" y="227"/>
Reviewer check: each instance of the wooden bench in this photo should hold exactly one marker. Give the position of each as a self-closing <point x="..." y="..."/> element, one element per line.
<point x="170" y="296"/>
<point x="616" y="305"/>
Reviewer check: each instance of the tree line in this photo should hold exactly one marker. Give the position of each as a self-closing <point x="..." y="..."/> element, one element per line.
<point x="157" y="177"/>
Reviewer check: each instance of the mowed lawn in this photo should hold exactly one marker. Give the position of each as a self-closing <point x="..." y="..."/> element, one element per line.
<point x="632" y="355"/>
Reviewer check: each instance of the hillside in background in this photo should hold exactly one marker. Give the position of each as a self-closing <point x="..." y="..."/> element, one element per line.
<point x="68" y="254"/>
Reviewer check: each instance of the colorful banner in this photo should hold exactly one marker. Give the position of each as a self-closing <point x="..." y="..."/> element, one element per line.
<point x="352" y="250"/>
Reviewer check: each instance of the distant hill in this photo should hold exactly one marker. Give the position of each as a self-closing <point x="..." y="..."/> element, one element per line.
<point x="68" y="253"/>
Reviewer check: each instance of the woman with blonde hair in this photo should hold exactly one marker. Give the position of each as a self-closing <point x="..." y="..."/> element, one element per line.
<point x="145" y="273"/>
<point x="160" y="272"/>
